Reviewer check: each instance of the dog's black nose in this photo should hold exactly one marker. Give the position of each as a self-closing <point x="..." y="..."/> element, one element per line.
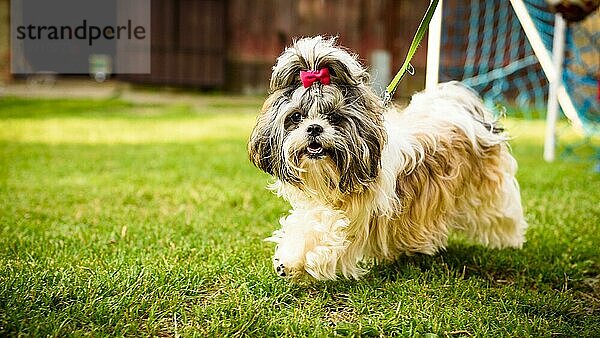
<point x="314" y="130"/>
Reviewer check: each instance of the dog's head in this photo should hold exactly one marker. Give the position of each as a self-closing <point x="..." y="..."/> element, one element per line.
<point x="322" y="125"/>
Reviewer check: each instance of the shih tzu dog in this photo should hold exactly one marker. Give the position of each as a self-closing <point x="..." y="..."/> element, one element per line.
<point x="369" y="182"/>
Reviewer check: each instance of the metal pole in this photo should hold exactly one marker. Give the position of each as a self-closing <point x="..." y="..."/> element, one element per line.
<point x="558" y="52"/>
<point x="433" y="48"/>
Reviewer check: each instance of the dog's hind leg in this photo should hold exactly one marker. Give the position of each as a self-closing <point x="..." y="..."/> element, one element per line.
<point x="499" y="222"/>
<point x="509" y="225"/>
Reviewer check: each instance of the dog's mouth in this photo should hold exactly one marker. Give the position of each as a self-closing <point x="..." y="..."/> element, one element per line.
<point x="315" y="150"/>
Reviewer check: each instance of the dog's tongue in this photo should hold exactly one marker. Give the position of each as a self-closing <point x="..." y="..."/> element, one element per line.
<point x="314" y="148"/>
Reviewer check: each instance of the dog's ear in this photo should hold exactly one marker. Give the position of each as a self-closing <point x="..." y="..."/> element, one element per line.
<point x="261" y="146"/>
<point x="314" y="54"/>
<point x="360" y="163"/>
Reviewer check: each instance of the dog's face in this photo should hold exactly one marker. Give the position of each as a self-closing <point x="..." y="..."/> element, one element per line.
<point x="324" y="130"/>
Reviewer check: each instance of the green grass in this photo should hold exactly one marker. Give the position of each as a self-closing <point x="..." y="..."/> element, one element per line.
<point x="142" y="220"/>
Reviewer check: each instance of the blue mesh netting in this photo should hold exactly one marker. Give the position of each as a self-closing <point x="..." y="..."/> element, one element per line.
<point x="582" y="70"/>
<point x="484" y="46"/>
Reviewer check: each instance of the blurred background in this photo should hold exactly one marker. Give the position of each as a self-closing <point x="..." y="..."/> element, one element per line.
<point x="231" y="45"/>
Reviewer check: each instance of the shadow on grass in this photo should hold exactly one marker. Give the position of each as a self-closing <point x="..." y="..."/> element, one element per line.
<point x="458" y="260"/>
<point x="496" y="268"/>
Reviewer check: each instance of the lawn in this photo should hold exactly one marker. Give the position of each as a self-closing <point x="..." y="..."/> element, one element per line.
<point x="122" y="219"/>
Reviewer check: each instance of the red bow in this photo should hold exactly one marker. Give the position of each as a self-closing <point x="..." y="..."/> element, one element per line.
<point x="309" y="77"/>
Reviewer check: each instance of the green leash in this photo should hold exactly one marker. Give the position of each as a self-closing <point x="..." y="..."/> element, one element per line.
<point x="407" y="67"/>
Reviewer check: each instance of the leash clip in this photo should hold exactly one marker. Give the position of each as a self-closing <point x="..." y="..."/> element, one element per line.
<point x="386" y="98"/>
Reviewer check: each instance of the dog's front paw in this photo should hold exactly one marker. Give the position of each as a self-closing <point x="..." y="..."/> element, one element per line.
<point x="289" y="270"/>
<point x="288" y="261"/>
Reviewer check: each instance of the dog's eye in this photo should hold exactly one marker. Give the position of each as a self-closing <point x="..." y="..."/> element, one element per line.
<point x="335" y="118"/>
<point x="296" y="117"/>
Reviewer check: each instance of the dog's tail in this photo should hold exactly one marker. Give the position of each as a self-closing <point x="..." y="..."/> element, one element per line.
<point x="471" y="100"/>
